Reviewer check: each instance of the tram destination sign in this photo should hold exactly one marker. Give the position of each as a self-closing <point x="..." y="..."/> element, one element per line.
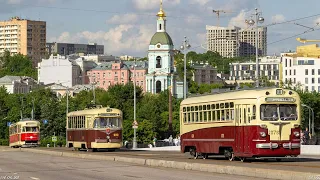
<point x="280" y="99"/>
<point x="108" y="114"/>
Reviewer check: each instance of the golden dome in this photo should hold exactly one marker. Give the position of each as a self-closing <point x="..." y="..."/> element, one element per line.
<point x="161" y="13"/>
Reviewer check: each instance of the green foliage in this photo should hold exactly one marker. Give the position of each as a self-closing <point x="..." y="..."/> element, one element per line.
<point x="16" y="65"/>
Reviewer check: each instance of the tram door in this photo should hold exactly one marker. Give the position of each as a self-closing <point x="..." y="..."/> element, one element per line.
<point x="246" y="128"/>
<point x="239" y="129"/>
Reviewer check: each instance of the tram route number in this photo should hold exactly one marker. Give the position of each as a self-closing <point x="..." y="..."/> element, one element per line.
<point x="273" y="132"/>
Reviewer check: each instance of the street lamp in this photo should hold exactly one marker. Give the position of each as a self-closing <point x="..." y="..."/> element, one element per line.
<point x="251" y="22"/>
<point x="185" y="47"/>
<point x="310" y="109"/>
<point x="134" y="145"/>
<point x="67" y="111"/>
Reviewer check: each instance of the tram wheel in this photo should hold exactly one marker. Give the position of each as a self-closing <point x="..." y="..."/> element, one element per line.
<point x="242" y="159"/>
<point x="196" y="155"/>
<point x="205" y="156"/>
<point x="231" y="158"/>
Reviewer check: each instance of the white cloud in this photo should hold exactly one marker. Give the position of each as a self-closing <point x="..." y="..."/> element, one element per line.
<point x="200" y="2"/>
<point x="239" y="20"/>
<point x="317" y="21"/>
<point x="21" y="1"/>
<point x="237" y="5"/>
<point x="120" y="39"/>
<point x="152" y="4"/>
<point x="277" y="18"/>
<point x="123" y="19"/>
<point x="193" y="19"/>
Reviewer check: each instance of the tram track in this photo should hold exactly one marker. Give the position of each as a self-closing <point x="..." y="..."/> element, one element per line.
<point x="303" y="164"/>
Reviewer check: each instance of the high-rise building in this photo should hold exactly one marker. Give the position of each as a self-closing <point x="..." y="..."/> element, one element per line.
<point x="234" y="41"/>
<point x="223" y="40"/>
<point x="24" y="36"/>
<point x="70" y="48"/>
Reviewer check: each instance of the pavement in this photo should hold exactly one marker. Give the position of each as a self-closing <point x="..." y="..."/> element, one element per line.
<point x="15" y="164"/>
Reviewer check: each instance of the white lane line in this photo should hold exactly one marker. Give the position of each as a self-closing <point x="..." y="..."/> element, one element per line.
<point x="34" y="178"/>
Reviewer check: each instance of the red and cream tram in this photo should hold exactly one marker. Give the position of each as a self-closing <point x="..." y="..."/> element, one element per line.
<point x="95" y="128"/>
<point x="25" y="133"/>
<point x="253" y="123"/>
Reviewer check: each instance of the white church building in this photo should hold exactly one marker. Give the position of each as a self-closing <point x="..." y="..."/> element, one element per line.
<point x="161" y="75"/>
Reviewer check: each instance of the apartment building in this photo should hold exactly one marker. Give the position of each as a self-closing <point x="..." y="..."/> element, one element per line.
<point x="302" y="71"/>
<point x="234" y="41"/>
<point x="18" y="84"/>
<point x="205" y="74"/>
<point x="245" y="72"/>
<point x="111" y="73"/>
<point x="70" y="48"/>
<point x="24" y="36"/>
<point x="224" y="40"/>
<point x="69" y="71"/>
<point x="247" y="41"/>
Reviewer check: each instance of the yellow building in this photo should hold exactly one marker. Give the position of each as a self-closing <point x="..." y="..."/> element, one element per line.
<point x="24" y="36"/>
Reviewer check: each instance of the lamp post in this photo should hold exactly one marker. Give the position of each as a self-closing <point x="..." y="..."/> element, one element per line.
<point x="185" y="47"/>
<point x="67" y="111"/>
<point x="251" y="22"/>
<point x="134" y="125"/>
<point x="311" y="125"/>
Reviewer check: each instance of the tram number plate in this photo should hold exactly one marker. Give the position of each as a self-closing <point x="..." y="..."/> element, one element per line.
<point x="274" y="132"/>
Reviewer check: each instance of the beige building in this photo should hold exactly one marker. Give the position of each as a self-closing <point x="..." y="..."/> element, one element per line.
<point x="24" y="36"/>
<point x="234" y="41"/>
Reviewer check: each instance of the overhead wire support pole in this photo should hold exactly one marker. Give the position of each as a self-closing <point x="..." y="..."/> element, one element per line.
<point x="134" y="107"/>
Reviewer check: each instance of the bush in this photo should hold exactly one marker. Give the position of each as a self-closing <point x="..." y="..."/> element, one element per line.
<point x="61" y="141"/>
<point x="4" y="142"/>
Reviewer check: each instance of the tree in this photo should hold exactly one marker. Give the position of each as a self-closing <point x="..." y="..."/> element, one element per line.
<point x="16" y="65"/>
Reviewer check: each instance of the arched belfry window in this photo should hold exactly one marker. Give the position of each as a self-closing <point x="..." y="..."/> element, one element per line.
<point x="158" y="59"/>
<point x="158" y="86"/>
<point x="160" y="26"/>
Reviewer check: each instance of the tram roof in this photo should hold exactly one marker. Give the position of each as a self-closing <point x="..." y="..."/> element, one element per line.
<point x="96" y="110"/>
<point x="25" y="121"/>
<point x="231" y="95"/>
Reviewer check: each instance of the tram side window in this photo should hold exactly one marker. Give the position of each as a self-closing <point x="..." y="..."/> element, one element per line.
<point x="196" y="116"/>
<point x="184" y="115"/>
<point x="201" y="114"/>
<point x="192" y="114"/>
<point x="254" y="110"/>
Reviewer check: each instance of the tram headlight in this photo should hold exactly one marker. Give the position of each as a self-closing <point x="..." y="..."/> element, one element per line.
<point x="296" y="134"/>
<point x="263" y="134"/>
<point x="108" y="137"/>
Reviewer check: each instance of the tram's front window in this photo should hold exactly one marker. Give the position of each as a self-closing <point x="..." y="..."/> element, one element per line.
<point x="272" y="112"/>
<point x="104" y="122"/>
<point x="30" y="129"/>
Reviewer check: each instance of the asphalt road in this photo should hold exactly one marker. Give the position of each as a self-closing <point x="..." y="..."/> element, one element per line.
<point x="31" y="166"/>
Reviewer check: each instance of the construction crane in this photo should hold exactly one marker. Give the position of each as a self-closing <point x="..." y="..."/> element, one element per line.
<point x="218" y="14"/>
<point x="305" y="40"/>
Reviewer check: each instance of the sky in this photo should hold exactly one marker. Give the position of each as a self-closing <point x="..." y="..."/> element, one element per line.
<point x="125" y="27"/>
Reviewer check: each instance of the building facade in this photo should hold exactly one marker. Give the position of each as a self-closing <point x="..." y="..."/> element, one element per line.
<point x="302" y="71"/>
<point x="112" y="73"/>
<point x="18" y="84"/>
<point x="234" y="41"/>
<point x="24" y="36"/>
<point x="160" y="75"/>
<point x="224" y="40"/>
<point x="205" y="74"/>
<point x="270" y="67"/>
<point x="69" y="48"/>
<point x="67" y="71"/>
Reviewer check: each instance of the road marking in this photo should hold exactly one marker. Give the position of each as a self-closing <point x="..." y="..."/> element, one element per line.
<point x="34" y="178"/>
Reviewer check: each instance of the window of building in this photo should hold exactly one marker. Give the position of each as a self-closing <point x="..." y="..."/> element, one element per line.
<point x="312" y="80"/>
<point x="306" y="81"/>
<point x="294" y="72"/>
<point x="312" y="71"/>
<point x="306" y="72"/>
<point x="306" y="88"/>
<point x="312" y="88"/>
